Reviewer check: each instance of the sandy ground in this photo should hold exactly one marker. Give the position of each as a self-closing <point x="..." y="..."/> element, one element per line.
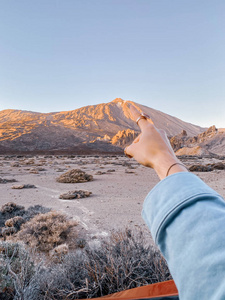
<point x="117" y="196"/>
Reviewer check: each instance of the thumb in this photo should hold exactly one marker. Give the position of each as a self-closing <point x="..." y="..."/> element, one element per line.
<point x="130" y="150"/>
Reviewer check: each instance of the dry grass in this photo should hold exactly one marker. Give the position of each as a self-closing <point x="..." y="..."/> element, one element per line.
<point x="121" y="262"/>
<point x="47" y="231"/>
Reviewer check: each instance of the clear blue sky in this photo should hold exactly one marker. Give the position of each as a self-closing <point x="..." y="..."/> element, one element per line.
<point x="166" y="54"/>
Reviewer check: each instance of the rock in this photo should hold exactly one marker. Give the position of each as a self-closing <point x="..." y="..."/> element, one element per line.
<point x="111" y="170"/>
<point x="23" y="186"/>
<point x="41" y="169"/>
<point x="207" y="168"/>
<point x="218" y="166"/>
<point x="33" y="171"/>
<point x="74" y="176"/>
<point x="3" y="180"/>
<point x="178" y="141"/>
<point x="197" y="151"/>
<point x="200" y="168"/>
<point x="15" y="164"/>
<point x="129" y="172"/>
<point x="124" y="137"/>
<point x="100" y="173"/>
<point x="75" y="195"/>
<point x="60" y="170"/>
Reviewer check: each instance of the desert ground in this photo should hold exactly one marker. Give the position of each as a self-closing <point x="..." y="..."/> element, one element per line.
<point x="119" y="188"/>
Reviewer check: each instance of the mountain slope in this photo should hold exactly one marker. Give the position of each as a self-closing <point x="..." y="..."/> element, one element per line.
<point x="211" y="141"/>
<point x="80" y="128"/>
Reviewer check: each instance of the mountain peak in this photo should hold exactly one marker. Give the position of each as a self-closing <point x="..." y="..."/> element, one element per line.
<point x="29" y="131"/>
<point x="118" y="100"/>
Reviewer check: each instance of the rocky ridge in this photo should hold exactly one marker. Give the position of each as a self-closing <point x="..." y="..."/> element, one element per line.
<point x="102" y="128"/>
<point x="209" y="142"/>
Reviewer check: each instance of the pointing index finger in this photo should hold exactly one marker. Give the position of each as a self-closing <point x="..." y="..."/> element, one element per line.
<point x="142" y="122"/>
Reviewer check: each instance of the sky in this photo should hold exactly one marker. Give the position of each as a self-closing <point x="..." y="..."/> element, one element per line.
<point x="165" y="54"/>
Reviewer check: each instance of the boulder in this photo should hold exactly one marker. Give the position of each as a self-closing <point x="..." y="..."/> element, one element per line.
<point x="75" y="195"/>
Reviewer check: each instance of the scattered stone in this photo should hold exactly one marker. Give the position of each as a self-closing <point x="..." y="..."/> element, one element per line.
<point x="74" y="176"/>
<point x="219" y="166"/>
<point x="41" y="169"/>
<point x="33" y="171"/>
<point x="129" y="172"/>
<point x="15" y="164"/>
<point x="100" y="173"/>
<point x="75" y="195"/>
<point x="29" y="162"/>
<point x="60" y="170"/>
<point x="111" y="170"/>
<point x="200" y="168"/>
<point x="131" y="167"/>
<point x="4" y="180"/>
<point x="36" y="170"/>
<point x="207" y="168"/>
<point x="23" y="186"/>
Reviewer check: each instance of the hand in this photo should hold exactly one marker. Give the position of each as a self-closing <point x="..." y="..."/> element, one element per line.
<point x="152" y="148"/>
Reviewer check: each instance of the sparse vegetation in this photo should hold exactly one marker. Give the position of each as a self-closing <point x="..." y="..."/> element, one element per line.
<point x="47" y="231"/>
<point x="12" y="216"/>
<point x="121" y="262"/>
<point x="74" y="176"/>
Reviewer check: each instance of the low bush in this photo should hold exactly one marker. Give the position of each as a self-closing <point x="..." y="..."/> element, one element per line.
<point x="17" y="271"/>
<point x="74" y="176"/>
<point x="123" y="261"/>
<point x="47" y="231"/>
<point x="11" y="210"/>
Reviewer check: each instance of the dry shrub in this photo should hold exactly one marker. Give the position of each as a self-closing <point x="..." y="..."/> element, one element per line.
<point x="17" y="271"/>
<point x="59" y="252"/>
<point x="74" y="176"/>
<point x="11" y="208"/>
<point x="13" y="215"/>
<point x="15" y="222"/>
<point x="123" y="261"/>
<point x="46" y="231"/>
<point x="8" y="231"/>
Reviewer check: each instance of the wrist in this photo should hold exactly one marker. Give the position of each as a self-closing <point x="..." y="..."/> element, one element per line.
<point x="168" y="165"/>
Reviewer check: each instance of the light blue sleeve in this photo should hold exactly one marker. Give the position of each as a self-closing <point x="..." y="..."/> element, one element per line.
<point x="187" y="221"/>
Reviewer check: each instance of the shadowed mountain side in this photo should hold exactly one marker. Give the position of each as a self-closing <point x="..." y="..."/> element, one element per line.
<point x="107" y="124"/>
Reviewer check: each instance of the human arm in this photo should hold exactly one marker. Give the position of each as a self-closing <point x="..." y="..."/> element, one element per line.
<point x="187" y="222"/>
<point x="185" y="216"/>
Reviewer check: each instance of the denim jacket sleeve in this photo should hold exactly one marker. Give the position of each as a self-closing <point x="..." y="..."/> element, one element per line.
<point x="187" y="221"/>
